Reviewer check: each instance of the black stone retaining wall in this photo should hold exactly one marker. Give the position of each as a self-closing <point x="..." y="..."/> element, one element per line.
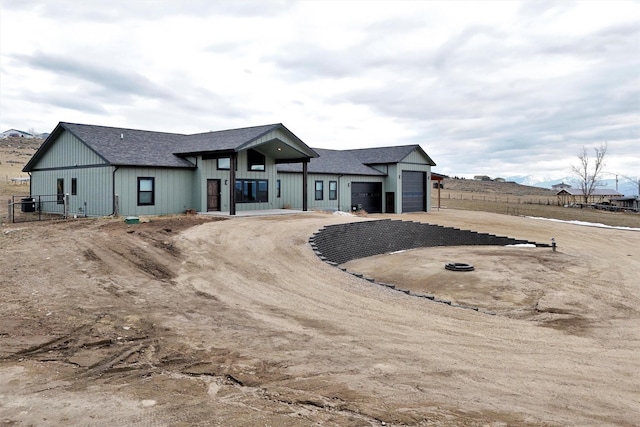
<point x="341" y="243"/>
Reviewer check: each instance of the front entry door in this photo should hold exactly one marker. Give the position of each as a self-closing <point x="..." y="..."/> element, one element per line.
<point x="213" y="195"/>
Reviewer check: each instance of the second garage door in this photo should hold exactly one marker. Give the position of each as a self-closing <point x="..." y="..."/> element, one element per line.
<point x="413" y="191"/>
<point x="367" y="194"/>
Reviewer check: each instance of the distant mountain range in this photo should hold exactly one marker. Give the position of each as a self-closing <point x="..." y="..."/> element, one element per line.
<point x="625" y="186"/>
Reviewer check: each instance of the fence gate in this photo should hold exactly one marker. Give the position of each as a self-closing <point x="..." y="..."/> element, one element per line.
<point x="38" y="208"/>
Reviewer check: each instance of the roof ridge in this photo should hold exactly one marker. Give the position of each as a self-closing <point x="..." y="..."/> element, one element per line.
<point x="235" y="129"/>
<point x="121" y="128"/>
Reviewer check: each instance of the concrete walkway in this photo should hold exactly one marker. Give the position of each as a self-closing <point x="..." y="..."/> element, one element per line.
<point x="265" y="212"/>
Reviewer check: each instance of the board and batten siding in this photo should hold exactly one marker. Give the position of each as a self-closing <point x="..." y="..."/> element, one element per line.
<point x="172" y="190"/>
<point x="291" y="190"/>
<point x="94" y="190"/>
<point x="207" y="169"/>
<point x="69" y="158"/>
<point x="68" y="151"/>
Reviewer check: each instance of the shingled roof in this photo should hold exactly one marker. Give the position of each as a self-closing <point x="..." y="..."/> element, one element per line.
<point x="355" y="162"/>
<point x="224" y="140"/>
<point x="132" y="147"/>
<point x="384" y="155"/>
<point x="333" y="162"/>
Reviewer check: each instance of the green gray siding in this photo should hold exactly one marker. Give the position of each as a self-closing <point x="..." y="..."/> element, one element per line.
<point x="172" y="190"/>
<point x="94" y="191"/>
<point x="291" y="185"/>
<point x="68" y="151"/>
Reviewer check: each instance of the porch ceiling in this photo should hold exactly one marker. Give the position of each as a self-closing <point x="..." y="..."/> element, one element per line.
<point x="280" y="150"/>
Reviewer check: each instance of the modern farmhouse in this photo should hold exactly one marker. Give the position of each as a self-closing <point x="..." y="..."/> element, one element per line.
<point x="98" y="171"/>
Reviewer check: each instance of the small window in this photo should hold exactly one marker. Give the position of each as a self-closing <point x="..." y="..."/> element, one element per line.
<point x="333" y="190"/>
<point x="319" y="190"/>
<point x="146" y="193"/>
<point x="256" y="161"/>
<point x="74" y="186"/>
<point x="60" y="191"/>
<point x="224" y="163"/>
<point x="278" y="188"/>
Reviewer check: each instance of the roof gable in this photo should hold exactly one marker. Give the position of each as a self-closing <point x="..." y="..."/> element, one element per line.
<point x="386" y="155"/>
<point x="132" y="147"/>
<point x="594" y="192"/>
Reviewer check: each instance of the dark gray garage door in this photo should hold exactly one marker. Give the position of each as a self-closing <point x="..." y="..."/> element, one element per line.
<point x="367" y="194"/>
<point x="413" y="191"/>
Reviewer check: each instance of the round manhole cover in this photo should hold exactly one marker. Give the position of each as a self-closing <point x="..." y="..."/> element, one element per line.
<point x="458" y="266"/>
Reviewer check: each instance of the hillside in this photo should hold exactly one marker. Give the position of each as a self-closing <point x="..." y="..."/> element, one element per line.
<point x="14" y="154"/>
<point x="495" y="187"/>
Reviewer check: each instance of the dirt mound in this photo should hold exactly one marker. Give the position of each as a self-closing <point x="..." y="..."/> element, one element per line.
<point x="192" y="321"/>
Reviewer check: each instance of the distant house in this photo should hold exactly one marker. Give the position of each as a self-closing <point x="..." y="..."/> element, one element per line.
<point x="627" y="203"/>
<point x="500" y="180"/>
<point x="560" y="186"/>
<point x="569" y="196"/>
<point x="137" y="172"/>
<point x="482" y="178"/>
<point x="15" y="133"/>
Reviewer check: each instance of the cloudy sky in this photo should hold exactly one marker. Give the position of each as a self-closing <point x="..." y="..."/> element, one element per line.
<point x="501" y="88"/>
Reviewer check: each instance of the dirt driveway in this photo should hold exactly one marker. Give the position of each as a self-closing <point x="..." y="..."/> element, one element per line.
<point x="186" y="321"/>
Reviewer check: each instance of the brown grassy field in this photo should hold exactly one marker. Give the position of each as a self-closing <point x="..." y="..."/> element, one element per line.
<point x="520" y="200"/>
<point x="14" y="154"/>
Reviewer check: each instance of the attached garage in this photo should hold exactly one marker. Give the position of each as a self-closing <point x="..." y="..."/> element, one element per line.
<point x="414" y="191"/>
<point x="368" y="195"/>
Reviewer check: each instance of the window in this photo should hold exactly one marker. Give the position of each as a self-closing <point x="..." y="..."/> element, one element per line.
<point x="255" y="161"/>
<point x="252" y="190"/>
<point x="74" y="186"/>
<point x="224" y="163"/>
<point x="60" y="191"/>
<point x="278" y="188"/>
<point x="333" y="190"/>
<point x="146" y="193"/>
<point x="319" y="190"/>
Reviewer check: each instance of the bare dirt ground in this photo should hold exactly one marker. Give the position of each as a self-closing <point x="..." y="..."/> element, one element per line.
<point x="189" y="321"/>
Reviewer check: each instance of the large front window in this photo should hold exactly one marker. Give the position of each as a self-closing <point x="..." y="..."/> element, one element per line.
<point x="252" y="191"/>
<point x="146" y="193"/>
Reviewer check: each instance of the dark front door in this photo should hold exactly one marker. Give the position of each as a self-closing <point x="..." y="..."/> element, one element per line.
<point x="390" y="202"/>
<point x="213" y="195"/>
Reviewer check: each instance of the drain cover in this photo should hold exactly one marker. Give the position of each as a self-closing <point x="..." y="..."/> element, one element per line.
<point x="458" y="266"/>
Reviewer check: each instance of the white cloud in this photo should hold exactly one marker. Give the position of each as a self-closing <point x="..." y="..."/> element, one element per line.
<point x="496" y="88"/>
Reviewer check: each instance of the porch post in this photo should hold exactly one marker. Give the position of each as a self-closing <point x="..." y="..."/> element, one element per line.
<point x="232" y="183"/>
<point x="304" y="186"/>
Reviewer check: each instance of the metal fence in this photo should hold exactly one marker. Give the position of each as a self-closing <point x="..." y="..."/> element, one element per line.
<point x="22" y="208"/>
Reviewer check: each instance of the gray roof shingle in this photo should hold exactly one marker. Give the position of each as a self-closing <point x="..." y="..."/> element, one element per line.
<point x="223" y="140"/>
<point x="354" y="162"/>
<point x="132" y="147"/>
<point x="380" y="155"/>
<point x="135" y="148"/>
<point x="333" y="162"/>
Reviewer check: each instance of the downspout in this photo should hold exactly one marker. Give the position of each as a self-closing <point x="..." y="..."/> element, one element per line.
<point x="30" y="184"/>
<point x="113" y="190"/>
<point x="338" y="189"/>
